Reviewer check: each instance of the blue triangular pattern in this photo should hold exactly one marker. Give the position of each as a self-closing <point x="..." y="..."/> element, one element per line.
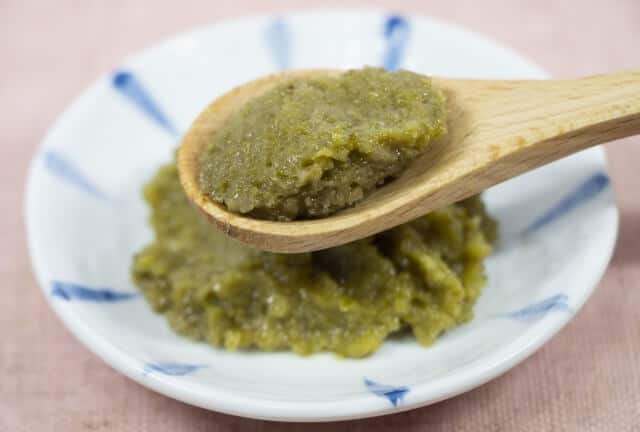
<point x="395" y="395"/>
<point x="396" y="32"/>
<point x="557" y="302"/>
<point x="584" y="192"/>
<point x="130" y="86"/>
<point x="61" y="167"/>
<point x="172" y="368"/>
<point x="279" y="41"/>
<point x="70" y="291"/>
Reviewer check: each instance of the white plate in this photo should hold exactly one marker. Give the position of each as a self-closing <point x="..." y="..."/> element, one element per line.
<point x="86" y="217"/>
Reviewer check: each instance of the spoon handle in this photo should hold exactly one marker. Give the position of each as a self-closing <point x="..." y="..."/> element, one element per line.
<point x="599" y="109"/>
<point x="501" y="129"/>
<point x="552" y="119"/>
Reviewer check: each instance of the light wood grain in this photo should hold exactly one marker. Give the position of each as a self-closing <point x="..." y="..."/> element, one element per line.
<point x="497" y="130"/>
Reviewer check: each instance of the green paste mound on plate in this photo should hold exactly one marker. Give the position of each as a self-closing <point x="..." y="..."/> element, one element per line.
<point x="310" y="147"/>
<point x="423" y="276"/>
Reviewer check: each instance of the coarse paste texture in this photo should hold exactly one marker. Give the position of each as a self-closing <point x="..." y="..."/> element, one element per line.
<point x="424" y="276"/>
<point x="310" y="147"/>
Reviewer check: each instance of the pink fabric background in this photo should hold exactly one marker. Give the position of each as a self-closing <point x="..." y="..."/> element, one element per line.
<point x="586" y="379"/>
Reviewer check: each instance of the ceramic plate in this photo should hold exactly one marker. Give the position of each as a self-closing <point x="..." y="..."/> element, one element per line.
<point x="86" y="218"/>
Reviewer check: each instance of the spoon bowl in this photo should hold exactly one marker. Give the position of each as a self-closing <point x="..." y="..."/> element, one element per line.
<point x="497" y="130"/>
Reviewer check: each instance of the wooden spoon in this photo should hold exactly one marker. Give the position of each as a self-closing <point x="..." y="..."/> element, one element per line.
<point x="497" y="130"/>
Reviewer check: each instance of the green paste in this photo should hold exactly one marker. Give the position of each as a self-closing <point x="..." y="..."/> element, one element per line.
<point x="310" y="147"/>
<point x="423" y="276"/>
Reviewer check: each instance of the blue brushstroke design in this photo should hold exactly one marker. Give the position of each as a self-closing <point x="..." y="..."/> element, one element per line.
<point x="172" y="368"/>
<point x="395" y="395"/>
<point x="396" y="31"/>
<point x="69" y="291"/>
<point x="278" y="39"/>
<point x="130" y="86"/>
<point x="59" y="166"/>
<point x="584" y="192"/>
<point x="555" y="303"/>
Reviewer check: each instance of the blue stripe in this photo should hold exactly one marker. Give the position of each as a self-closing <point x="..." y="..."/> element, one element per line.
<point x="555" y="303"/>
<point x="395" y="395"/>
<point x="396" y="32"/>
<point x="127" y="84"/>
<point x="583" y="193"/>
<point x="278" y="39"/>
<point x="62" y="168"/>
<point x="172" y="368"/>
<point x="69" y="291"/>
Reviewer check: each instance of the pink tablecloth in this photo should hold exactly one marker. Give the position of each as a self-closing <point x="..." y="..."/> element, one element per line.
<point x="586" y="379"/>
